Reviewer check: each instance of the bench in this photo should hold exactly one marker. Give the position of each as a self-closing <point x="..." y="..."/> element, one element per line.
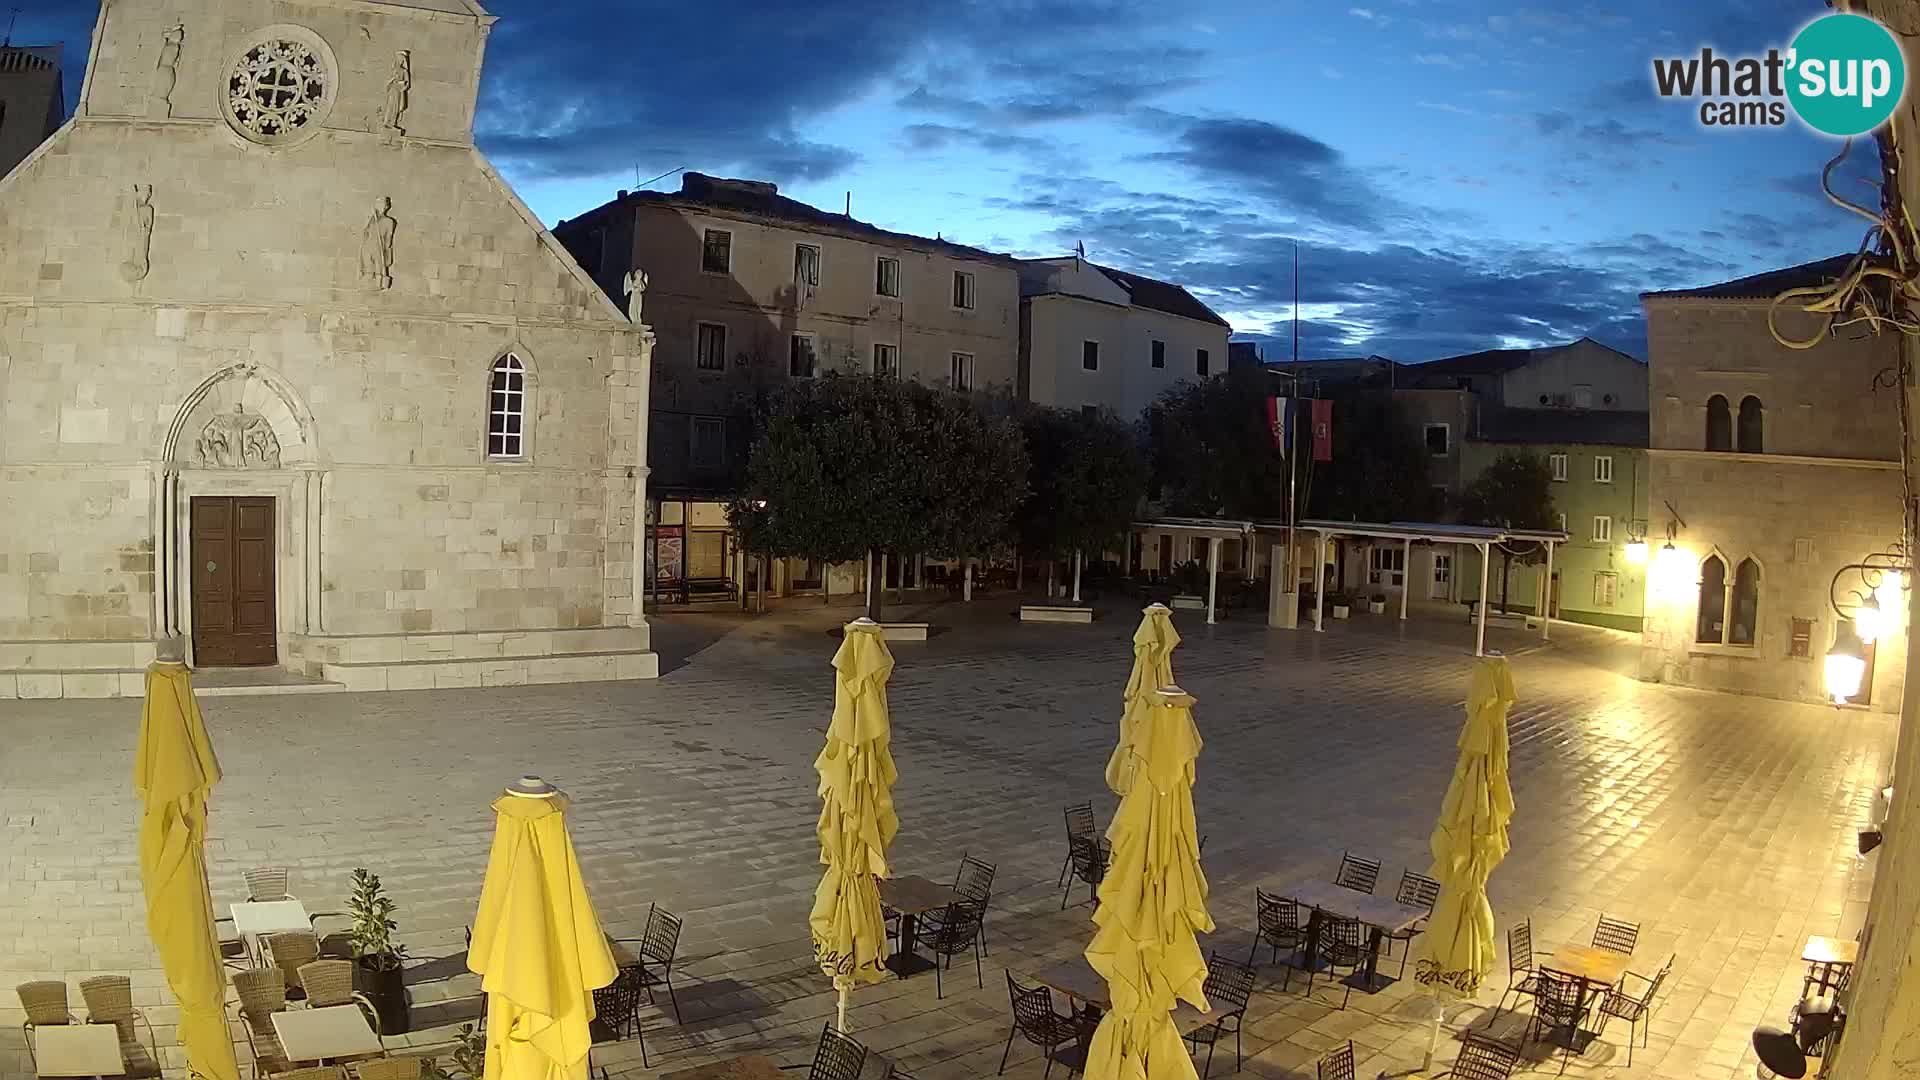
<point x="1055" y="613"/>
<point x="707" y="589"/>
<point x="903" y="631"/>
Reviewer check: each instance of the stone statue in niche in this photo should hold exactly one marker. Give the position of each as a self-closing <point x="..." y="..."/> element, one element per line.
<point x="376" y="247"/>
<point x="635" y="286"/>
<point x="139" y="234"/>
<point x="237" y="440"/>
<point x="166" y="74"/>
<point x="399" y="89"/>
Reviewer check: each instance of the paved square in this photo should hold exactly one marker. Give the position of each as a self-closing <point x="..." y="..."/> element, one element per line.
<point x="1723" y="825"/>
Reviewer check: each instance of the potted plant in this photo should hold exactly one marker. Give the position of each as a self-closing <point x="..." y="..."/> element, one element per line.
<point x="466" y="1061"/>
<point x="1190" y="583"/>
<point x="1341" y="603"/>
<point x="377" y="957"/>
<point x="1377" y="604"/>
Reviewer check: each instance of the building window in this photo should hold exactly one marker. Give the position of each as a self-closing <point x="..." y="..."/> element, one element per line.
<point x="1603" y="469"/>
<point x="1746" y="603"/>
<point x="963" y="290"/>
<point x="1710" y="626"/>
<point x="1747" y="435"/>
<point x="1558" y="464"/>
<point x="962" y="371"/>
<point x="1437" y="440"/>
<point x="1606" y="586"/>
<point x="886" y="359"/>
<point x="1092" y="412"/>
<point x="1201" y="363"/>
<point x="1563" y="522"/>
<point x="806" y="266"/>
<point x="710" y="350"/>
<point x="886" y="276"/>
<point x="801" y="358"/>
<point x="1159" y="354"/>
<point x="1719" y="424"/>
<point x="507" y="408"/>
<point x="1583" y="397"/>
<point x="1090" y="355"/>
<point x="709" y="442"/>
<point x="1387" y="566"/>
<point x="281" y="89"/>
<point x="716" y="252"/>
<point x="1729" y="607"/>
<point x="1602" y="529"/>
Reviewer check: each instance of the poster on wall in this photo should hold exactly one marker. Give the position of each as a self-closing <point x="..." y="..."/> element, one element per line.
<point x="669" y="552"/>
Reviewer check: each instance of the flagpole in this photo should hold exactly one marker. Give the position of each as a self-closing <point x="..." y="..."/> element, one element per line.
<point x="1293" y="575"/>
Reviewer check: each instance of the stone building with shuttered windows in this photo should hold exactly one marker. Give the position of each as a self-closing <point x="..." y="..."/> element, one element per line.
<point x="290" y="372"/>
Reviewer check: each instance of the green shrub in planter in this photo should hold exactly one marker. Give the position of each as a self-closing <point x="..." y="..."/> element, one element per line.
<point x="467" y="1060"/>
<point x="378" y="959"/>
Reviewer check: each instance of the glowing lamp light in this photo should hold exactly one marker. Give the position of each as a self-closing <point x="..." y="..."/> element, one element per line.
<point x="1636" y="551"/>
<point x="1888" y="591"/>
<point x="1673" y="573"/>
<point x="1846" y="665"/>
<point x="1869" y="621"/>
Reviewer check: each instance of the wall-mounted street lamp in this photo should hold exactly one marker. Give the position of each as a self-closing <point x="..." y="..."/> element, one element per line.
<point x="1846" y="664"/>
<point x="1637" y="551"/>
<point x="1864" y="613"/>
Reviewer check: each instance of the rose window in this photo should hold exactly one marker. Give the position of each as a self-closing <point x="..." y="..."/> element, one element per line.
<point x="278" y="90"/>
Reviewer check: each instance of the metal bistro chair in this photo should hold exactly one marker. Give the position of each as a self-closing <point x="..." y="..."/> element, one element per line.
<point x="973" y="882"/>
<point x="1482" y="1058"/>
<point x="956" y="931"/>
<point x="1090" y="860"/>
<point x="1342" y="944"/>
<point x="617" y="1005"/>
<point x="1616" y="935"/>
<point x="1227" y="989"/>
<point x="837" y="1057"/>
<point x="1081" y="825"/>
<point x="1416" y="890"/>
<point x="1279" y="927"/>
<point x="1560" y="1004"/>
<point x="656" y="951"/>
<point x="1522" y="979"/>
<point x="109" y="1000"/>
<point x="1337" y="1065"/>
<point x="1357" y="873"/>
<point x="1035" y="1021"/>
<point x="1633" y="1008"/>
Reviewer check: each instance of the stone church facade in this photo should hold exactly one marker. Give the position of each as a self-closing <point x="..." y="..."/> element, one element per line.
<point x="288" y="371"/>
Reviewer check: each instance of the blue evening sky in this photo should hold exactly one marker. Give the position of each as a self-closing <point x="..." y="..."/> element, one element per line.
<point x="1459" y="175"/>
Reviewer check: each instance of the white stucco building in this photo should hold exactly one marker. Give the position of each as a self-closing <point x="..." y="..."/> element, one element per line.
<point x="289" y="371"/>
<point x="1092" y="336"/>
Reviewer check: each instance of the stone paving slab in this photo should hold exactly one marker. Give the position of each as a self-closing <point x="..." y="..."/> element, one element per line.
<point x="1723" y="825"/>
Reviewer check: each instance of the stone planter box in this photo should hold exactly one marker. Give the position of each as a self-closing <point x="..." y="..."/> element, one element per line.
<point x="1190" y="603"/>
<point x="903" y="631"/>
<point x="1341" y="611"/>
<point x="1055" y="613"/>
<point x="1376" y="607"/>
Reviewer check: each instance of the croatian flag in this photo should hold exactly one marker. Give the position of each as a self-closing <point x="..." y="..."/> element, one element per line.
<point x="1280" y="422"/>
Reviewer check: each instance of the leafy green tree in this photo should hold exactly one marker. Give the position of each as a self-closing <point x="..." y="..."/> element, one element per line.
<point x="1086" y="477"/>
<point x="1212" y="447"/>
<point x="843" y="467"/>
<point x="1514" y="492"/>
<point x="1379" y="466"/>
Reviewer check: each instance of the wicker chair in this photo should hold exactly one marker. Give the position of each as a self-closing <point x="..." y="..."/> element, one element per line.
<point x="1337" y="1065"/>
<point x="955" y="931"/>
<point x="263" y="992"/>
<point x="268" y="883"/>
<point x="1482" y="1058"/>
<point x="46" y="1006"/>
<point x="1522" y="979"/>
<point x="1227" y="989"/>
<point x="1341" y="942"/>
<point x="109" y="1000"/>
<point x="1416" y="890"/>
<point x="1616" y="935"/>
<point x="1081" y="825"/>
<point x="1357" y="873"/>
<point x="1279" y="920"/>
<point x="392" y="1068"/>
<point x="313" y="1072"/>
<point x="1560" y="1004"/>
<point x="233" y="947"/>
<point x="1035" y="1021"/>
<point x="290" y="953"/>
<point x="656" y="950"/>
<point x="1091" y="857"/>
<point x="617" y="1005"/>
<point x="327" y="982"/>
<point x="1633" y="1008"/>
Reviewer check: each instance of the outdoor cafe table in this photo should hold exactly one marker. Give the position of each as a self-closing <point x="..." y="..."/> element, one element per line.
<point x="1382" y="914"/>
<point x="337" y="1031"/>
<point x="751" y="1067"/>
<point x="1077" y="980"/>
<point x="912" y="897"/>
<point x="255" y="919"/>
<point x="77" y="1050"/>
<point x="1596" y="968"/>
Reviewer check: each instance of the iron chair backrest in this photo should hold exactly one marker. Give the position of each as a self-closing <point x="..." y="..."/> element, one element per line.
<point x="1484" y="1058"/>
<point x="1357" y="873"/>
<point x="1279" y="916"/>
<point x="267" y="883"/>
<point x="837" y="1057"/>
<point x="1561" y="1000"/>
<point x="1520" y="947"/>
<point x="662" y="938"/>
<point x="956" y="930"/>
<point x="1337" y="1065"/>
<point x="1033" y="1011"/>
<point x="1340" y="939"/>
<point x="1228" y="987"/>
<point x="1090" y="857"/>
<point x="1616" y="935"/>
<point x="974" y="879"/>
<point x="1418" y="890"/>
<point x="1081" y="824"/>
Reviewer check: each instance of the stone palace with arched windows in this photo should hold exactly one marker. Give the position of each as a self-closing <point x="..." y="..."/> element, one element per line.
<point x="289" y="372"/>
<point x="1774" y="472"/>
